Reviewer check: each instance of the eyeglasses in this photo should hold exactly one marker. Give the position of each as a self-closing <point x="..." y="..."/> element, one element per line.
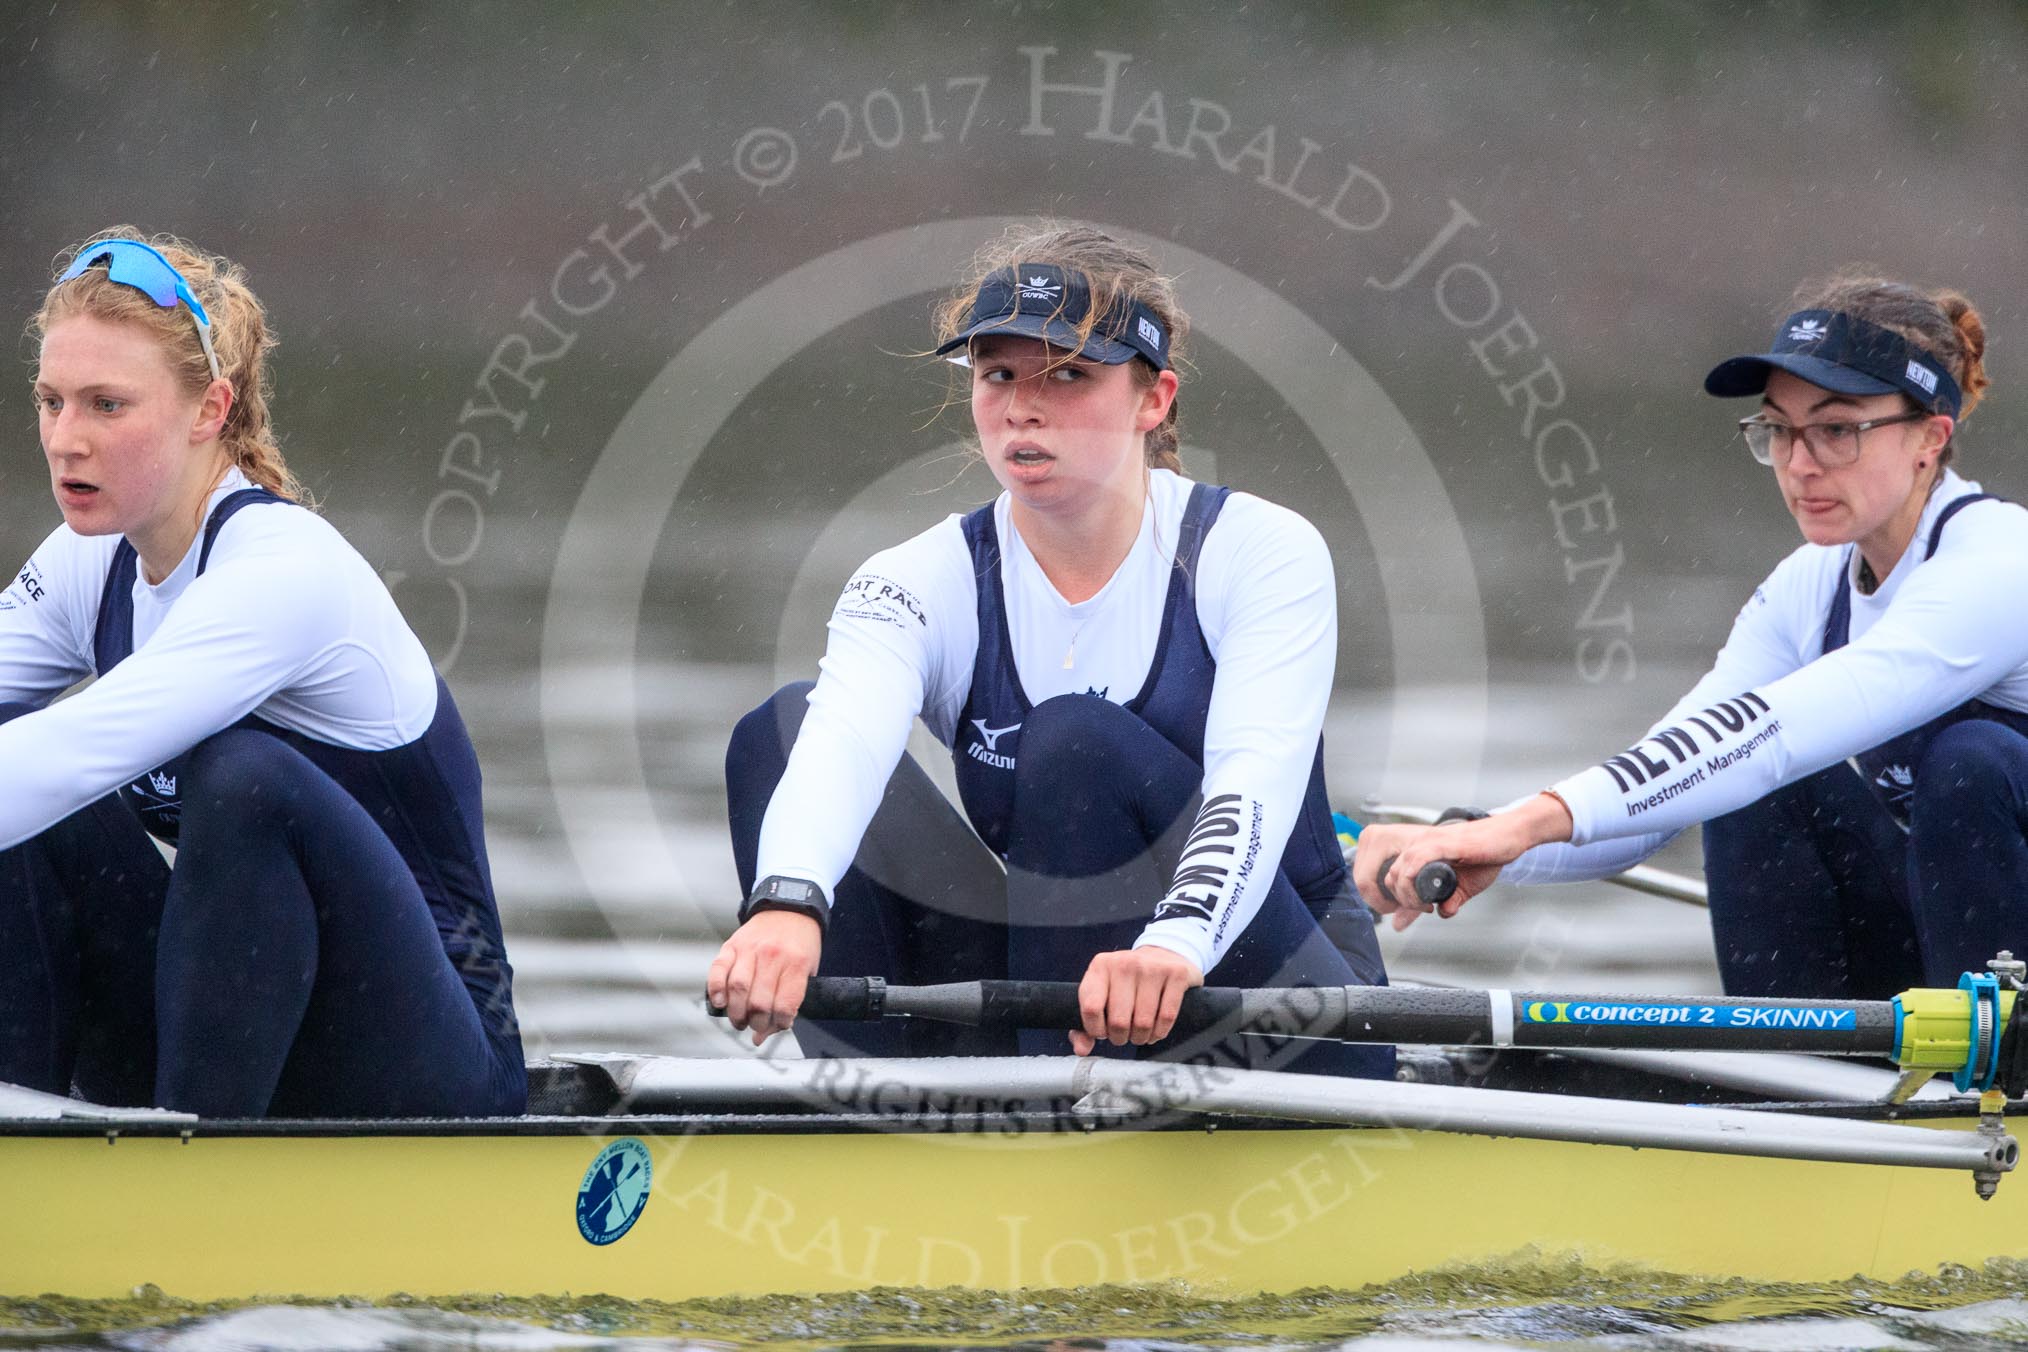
<point x="132" y="263"/>
<point x="1832" y="444"/>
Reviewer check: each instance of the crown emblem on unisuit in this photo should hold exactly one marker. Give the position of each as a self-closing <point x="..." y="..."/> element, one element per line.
<point x="164" y="785"/>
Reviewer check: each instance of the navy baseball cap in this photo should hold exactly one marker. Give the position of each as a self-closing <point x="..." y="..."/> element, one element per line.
<point x="1042" y="300"/>
<point x="1844" y="354"/>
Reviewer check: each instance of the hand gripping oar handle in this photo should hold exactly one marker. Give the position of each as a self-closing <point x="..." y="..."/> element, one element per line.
<point x="1435" y="883"/>
<point x="996" y="1004"/>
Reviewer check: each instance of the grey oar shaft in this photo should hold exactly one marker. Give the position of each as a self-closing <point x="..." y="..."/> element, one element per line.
<point x="1145" y="1089"/>
<point x="1807" y="1079"/>
<point x="1488" y="1112"/>
<point x="1661" y="883"/>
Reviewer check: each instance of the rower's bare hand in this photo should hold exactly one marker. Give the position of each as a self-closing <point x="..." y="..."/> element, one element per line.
<point x="762" y="971"/>
<point x="1478" y="850"/>
<point x="1377" y="845"/>
<point x="1132" y="996"/>
<point x="1410" y="848"/>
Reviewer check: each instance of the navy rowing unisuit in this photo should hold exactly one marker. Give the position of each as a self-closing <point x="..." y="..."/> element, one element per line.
<point x="1907" y="872"/>
<point x="326" y="942"/>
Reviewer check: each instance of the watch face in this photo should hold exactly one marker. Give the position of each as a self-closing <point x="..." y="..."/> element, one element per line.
<point x="793" y="889"/>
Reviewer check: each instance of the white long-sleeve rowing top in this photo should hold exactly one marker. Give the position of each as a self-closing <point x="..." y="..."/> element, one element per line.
<point x="904" y="637"/>
<point x="287" y="622"/>
<point x="1938" y="631"/>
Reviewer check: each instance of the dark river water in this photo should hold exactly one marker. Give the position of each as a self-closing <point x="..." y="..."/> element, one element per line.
<point x="1547" y="1305"/>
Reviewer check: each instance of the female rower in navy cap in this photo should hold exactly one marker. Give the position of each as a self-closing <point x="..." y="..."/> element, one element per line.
<point x="326" y="942"/>
<point x="1857" y="753"/>
<point x="1131" y="671"/>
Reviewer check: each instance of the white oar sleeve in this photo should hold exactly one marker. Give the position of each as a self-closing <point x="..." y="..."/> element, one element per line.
<point x="1952" y="631"/>
<point x="899" y="643"/>
<point x="1267" y="604"/>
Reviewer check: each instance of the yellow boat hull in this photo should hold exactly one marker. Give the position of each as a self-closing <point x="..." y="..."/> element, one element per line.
<point x="235" y="1216"/>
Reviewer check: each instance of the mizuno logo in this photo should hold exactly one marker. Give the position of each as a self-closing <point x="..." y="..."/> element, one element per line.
<point x="1808" y="331"/>
<point x="991" y="736"/>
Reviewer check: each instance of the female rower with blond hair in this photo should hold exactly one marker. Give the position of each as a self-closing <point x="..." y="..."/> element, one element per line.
<point x="326" y="941"/>
<point x="1131" y="671"/>
<point x="1859" y="751"/>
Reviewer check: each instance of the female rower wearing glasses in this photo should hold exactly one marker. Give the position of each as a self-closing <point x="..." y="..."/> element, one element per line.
<point x="1857" y="753"/>
<point x="1131" y="671"/>
<point x="325" y="942"/>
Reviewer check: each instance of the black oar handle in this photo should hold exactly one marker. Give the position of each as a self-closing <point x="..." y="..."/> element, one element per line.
<point x="994" y="1004"/>
<point x="1434" y="883"/>
<point x="984" y="1004"/>
<point x="1363" y="1014"/>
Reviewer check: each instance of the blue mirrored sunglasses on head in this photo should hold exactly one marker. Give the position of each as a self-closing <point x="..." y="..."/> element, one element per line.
<point x="132" y="263"/>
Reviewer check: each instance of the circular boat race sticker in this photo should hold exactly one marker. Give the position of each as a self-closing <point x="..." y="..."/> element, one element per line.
<point x="614" y="1191"/>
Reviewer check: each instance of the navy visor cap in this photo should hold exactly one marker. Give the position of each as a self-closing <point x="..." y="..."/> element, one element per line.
<point x="1042" y="300"/>
<point x="1844" y="354"/>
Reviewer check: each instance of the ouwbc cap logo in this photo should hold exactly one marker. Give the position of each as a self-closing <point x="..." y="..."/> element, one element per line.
<point x="1844" y="354"/>
<point x="1042" y="300"/>
<point x="1811" y="330"/>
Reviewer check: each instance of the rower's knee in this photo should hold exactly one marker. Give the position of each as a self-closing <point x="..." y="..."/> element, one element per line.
<point x="1969" y="771"/>
<point x="1094" y="788"/>
<point x="764" y="735"/>
<point x="1076" y="734"/>
<point x="756" y="756"/>
<point x="240" y="777"/>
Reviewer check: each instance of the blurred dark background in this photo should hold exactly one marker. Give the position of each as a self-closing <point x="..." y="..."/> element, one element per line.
<point x="404" y="183"/>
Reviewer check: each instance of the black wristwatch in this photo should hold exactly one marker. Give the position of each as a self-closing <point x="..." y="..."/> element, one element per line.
<point x="776" y="893"/>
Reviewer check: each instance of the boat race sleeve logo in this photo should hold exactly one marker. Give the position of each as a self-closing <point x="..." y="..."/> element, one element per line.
<point x="868" y="596"/>
<point x="614" y="1191"/>
<point x="27" y="588"/>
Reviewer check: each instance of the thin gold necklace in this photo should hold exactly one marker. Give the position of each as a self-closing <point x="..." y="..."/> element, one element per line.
<point x="1070" y="653"/>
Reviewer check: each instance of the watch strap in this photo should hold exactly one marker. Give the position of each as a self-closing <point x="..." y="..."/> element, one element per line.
<point x="777" y="893"/>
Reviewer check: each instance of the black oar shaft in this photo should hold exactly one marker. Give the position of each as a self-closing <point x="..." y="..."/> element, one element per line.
<point x="1393" y="1014"/>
